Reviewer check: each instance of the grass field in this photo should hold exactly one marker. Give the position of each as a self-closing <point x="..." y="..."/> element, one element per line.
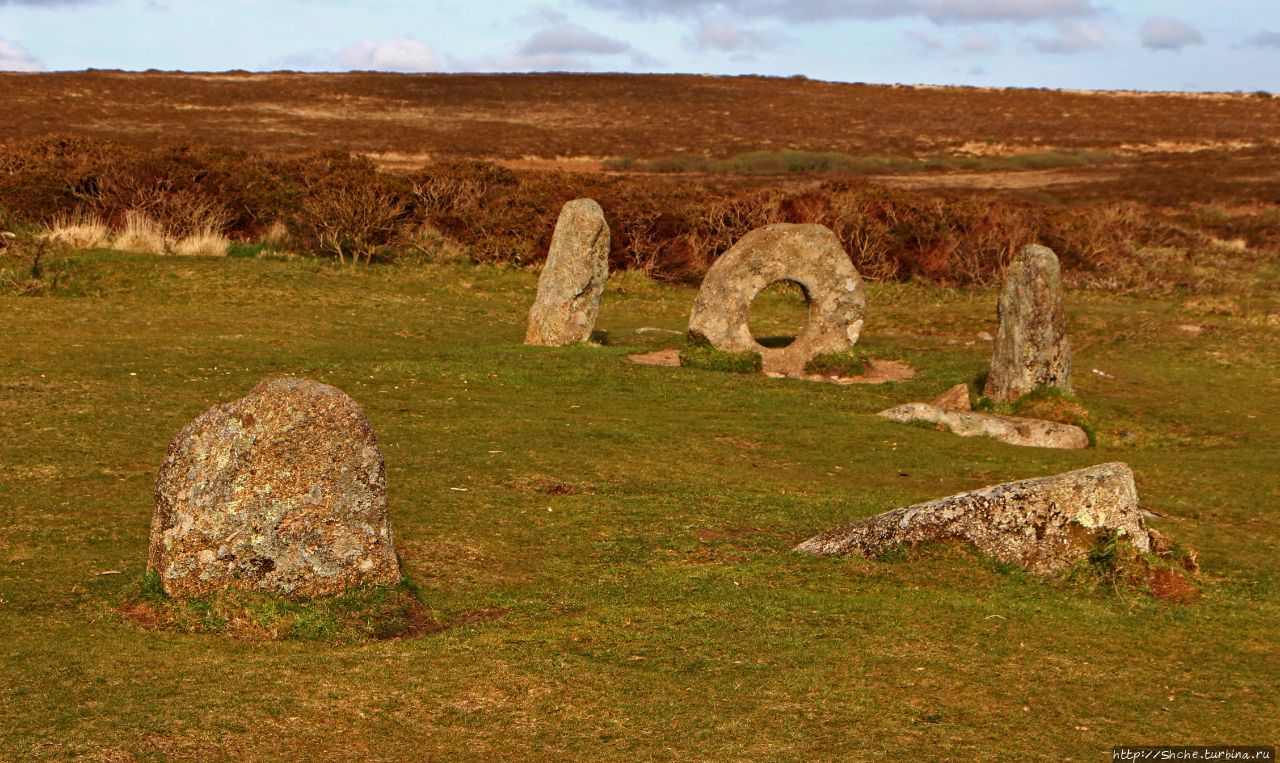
<point x="653" y="608"/>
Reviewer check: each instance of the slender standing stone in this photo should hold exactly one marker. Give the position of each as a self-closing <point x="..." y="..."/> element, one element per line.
<point x="1031" y="348"/>
<point x="573" y="277"/>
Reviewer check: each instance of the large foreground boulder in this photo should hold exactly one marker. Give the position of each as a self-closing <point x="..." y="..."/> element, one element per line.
<point x="282" y="491"/>
<point x="573" y="277"/>
<point x="1031" y="347"/>
<point x="1044" y="525"/>
<point x="1014" y="430"/>
<point x="808" y="255"/>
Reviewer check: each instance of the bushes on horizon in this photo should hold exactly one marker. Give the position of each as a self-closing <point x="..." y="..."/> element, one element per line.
<point x="672" y="228"/>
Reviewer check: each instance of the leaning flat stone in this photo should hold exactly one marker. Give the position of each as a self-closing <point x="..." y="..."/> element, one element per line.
<point x="954" y="399"/>
<point x="573" y="277"/>
<point x="1044" y="525"/>
<point x="808" y="255"/>
<point x="282" y="491"/>
<point x="1013" y="430"/>
<point x="1031" y="348"/>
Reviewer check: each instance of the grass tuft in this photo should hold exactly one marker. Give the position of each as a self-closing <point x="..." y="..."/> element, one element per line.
<point x="845" y="363"/>
<point x="368" y="612"/>
<point x="1114" y="566"/>
<point x="708" y="358"/>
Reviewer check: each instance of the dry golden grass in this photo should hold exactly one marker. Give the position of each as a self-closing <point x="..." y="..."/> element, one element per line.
<point x="206" y="243"/>
<point x="78" y="231"/>
<point x="141" y="233"/>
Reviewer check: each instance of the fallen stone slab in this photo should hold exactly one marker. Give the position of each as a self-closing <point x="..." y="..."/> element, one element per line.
<point x="1044" y="525"/>
<point x="282" y="491"/>
<point x="573" y="277"/>
<point x="1014" y="430"/>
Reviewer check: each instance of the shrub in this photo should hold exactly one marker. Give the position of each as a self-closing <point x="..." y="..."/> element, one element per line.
<point x="350" y="210"/>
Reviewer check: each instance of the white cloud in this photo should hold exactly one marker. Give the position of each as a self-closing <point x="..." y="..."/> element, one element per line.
<point x="980" y="44"/>
<point x="402" y="54"/>
<point x="1072" y="37"/>
<point x="976" y="44"/>
<point x="560" y="46"/>
<point x="15" y="58"/>
<point x="925" y="40"/>
<point x="569" y="39"/>
<point x="727" y="37"/>
<point x="938" y="11"/>
<point x="1164" y="33"/>
<point x="1264" y="40"/>
<point x="1022" y="11"/>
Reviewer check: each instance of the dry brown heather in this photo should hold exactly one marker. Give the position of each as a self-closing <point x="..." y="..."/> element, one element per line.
<point x="600" y="115"/>
<point x="1131" y="189"/>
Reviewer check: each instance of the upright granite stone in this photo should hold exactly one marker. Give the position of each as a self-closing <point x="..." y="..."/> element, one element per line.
<point x="282" y="491"/>
<point x="808" y="255"/>
<point x="1031" y="347"/>
<point x="573" y="277"/>
<point x="1044" y="525"/>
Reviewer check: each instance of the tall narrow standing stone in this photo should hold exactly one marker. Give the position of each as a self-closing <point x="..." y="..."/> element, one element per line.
<point x="573" y="277"/>
<point x="1031" y="348"/>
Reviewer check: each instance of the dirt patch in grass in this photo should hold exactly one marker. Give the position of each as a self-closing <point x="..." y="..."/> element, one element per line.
<point x="668" y="358"/>
<point x="541" y="483"/>
<point x="878" y="372"/>
<point x="738" y="442"/>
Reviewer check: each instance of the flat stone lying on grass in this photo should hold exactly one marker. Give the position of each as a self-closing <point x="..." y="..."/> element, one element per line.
<point x="573" y="277"/>
<point x="808" y="255"/>
<point x="1013" y="430"/>
<point x="282" y="491"/>
<point x="1031" y="348"/>
<point x="1044" y="525"/>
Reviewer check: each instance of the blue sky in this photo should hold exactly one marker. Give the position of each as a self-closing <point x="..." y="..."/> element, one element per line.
<point x="1146" y="44"/>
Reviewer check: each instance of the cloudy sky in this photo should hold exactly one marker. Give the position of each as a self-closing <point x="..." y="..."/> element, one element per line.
<point x="1146" y="44"/>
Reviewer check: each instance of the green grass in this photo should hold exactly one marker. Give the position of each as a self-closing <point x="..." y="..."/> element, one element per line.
<point x="707" y="358"/>
<point x="657" y="612"/>
<point x="846" y="363"/>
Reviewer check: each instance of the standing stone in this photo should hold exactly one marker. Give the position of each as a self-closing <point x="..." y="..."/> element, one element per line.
<point x="1031" y="349"/>
<point x="1044" y="525"/>
<point x="573" y="277"/>
<point x="808" y="255"/>
<point x="282" y="491"/>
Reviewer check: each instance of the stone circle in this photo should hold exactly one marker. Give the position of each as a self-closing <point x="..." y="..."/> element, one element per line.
<point x="808" y="255"/>
<point x="573" y="277"/>
<point x="283" y="491"/>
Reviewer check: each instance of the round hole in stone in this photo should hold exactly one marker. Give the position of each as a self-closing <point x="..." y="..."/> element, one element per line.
<point x="778" y="314"/>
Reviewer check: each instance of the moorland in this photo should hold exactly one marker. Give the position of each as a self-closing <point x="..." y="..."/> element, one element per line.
<point x="601" y="551"/>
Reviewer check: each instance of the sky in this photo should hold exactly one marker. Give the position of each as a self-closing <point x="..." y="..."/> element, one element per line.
<point x="1091" y="44"/>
